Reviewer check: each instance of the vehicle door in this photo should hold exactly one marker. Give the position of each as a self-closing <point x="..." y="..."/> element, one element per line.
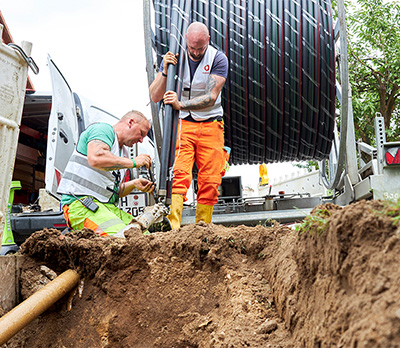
<point x="65" y="125"/>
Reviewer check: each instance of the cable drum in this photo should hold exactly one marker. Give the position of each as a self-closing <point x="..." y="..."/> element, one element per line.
<point x="279" y="98"/>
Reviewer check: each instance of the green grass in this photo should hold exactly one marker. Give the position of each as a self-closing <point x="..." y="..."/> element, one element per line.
<point x="317" y="222"/>
<point x="392" y="209"/>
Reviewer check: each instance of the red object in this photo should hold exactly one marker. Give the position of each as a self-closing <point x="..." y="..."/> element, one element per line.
<point x="32" y="132"/>
<point x="58" y="176"/>
<point x="60" y="225"/>
<point x="127" y="176"/>
<point x="393" y="156"/>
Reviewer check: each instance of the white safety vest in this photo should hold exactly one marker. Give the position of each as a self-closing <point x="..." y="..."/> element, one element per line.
<point x="81" y="179"/>
<point x="197" y="87"/>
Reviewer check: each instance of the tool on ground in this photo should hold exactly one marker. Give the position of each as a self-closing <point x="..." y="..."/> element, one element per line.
<point x="151" y="215"/>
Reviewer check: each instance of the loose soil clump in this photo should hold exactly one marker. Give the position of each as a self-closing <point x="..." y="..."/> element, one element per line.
<point x="333" y="282"/>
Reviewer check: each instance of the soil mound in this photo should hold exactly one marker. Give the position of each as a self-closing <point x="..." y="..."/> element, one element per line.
<point x="334" y="282"/>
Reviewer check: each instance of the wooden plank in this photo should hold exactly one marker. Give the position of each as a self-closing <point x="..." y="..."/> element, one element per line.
<point x="27" y="154"/>
<point x="32" y="132"/>
<point x="39" y="175"/>
<point x="23" y="167"/>
<point x="9" y="282"/>
<point x="24" y="178"/>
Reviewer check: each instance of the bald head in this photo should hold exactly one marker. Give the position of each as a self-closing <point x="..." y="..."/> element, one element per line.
<point x="198" y="28"/>
<point x="197" y="39"/>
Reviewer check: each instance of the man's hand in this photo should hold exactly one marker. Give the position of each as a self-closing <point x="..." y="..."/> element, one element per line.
<point x="143" y="185"/>
<point x="169" y="58"/>
<point x="171" y="98"/>
<point x="159" y="85"/>
<point x="143" y="160"/>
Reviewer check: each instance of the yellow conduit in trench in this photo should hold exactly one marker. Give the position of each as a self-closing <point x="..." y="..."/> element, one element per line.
<point x="32" y="307"/>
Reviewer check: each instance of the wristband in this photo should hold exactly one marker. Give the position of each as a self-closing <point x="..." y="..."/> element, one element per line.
<point x="134" y="163"/>
<point x="162" y="73"/>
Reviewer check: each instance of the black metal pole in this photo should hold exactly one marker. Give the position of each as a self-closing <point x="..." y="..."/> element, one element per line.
<point x="176" y="42"/>
<point x="151" y="74"/>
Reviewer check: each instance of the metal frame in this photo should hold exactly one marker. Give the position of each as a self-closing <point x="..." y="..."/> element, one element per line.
<point x="373" y="179"/>
<point x="340" y="173"/>
<point x="380" y="181"/>
<point x="380" y="140"/>
<point x="151" y="73"/>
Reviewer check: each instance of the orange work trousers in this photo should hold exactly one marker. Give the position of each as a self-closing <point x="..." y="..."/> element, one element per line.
<point x="203" y="142"/>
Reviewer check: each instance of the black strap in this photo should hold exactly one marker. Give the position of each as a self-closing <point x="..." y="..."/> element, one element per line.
<point x="211" y="119"/>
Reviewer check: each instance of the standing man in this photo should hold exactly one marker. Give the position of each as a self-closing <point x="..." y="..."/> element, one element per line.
<point x="93" y="175"/>
<point x="201" y="129"/>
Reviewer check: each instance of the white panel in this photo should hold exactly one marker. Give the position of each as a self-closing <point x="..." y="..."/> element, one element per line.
<point x="13" y="77"/>
<point x="63" y="129"/>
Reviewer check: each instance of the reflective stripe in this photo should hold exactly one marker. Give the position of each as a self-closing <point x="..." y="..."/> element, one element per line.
<point x="66" y="215"/>
<point x="107" y="220"/>
<point x="178" y="147"/>
<point x="93" y="226"/>
<point x="82" y="160"/>
<point x="90" y="224"/>
<point x="109" y="223"/>
<point x="80" y="178"/>
<point x="86" y="186"/>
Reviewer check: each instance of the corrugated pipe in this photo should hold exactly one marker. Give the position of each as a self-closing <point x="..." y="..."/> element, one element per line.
<point x="32" y="307"/>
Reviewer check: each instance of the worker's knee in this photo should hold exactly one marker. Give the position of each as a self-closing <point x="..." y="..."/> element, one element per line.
<point x="182" y="181"/>
<point x="208" y="190"/>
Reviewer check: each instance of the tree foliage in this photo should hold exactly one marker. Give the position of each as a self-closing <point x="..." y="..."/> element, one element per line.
<point x="374" y="65"/>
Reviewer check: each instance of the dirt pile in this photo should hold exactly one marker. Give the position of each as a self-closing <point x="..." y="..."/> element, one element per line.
<point x="334" y="283"/>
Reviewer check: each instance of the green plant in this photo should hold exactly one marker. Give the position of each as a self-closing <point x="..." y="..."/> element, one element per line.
<point x="374" y="65"/>
<point x="317" y="222"/>
<point x="268" y="223"/>
<point x="392" y="209"/>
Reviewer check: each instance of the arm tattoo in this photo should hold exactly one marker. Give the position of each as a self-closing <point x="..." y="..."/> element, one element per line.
<point x="115" y="167"/>
<point x="102" y="149"/>
<point x="202" y="101"/>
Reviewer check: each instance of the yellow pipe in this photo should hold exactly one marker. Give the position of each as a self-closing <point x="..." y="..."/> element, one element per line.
<point x="36" y="304"/>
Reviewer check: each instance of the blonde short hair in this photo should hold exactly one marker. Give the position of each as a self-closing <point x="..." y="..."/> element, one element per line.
<point x="136" y="115"/>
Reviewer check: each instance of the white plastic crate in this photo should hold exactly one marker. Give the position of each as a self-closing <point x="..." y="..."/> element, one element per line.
<point x="13" y="77"/>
